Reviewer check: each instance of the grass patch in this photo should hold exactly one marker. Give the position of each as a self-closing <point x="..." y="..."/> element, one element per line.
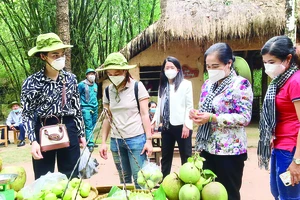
<point x="13" y="154"/>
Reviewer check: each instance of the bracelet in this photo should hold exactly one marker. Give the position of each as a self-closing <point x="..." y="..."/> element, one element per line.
<point x="210" y="117"/>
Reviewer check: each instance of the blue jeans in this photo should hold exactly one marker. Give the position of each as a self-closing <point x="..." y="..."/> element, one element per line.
<point x="126" y="160"/>
<point x="280" y="161"/>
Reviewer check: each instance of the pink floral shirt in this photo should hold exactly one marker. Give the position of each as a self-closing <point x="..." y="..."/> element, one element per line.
<point x="233" y="108"/>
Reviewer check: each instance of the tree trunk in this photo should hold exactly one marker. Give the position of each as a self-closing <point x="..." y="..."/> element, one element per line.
<point x="291" y="28"/>
<point x="63" y="28"/>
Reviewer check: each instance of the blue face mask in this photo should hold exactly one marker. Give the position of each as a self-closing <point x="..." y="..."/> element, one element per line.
<point x="152" y="110"/>
<point x="17" y="110"/>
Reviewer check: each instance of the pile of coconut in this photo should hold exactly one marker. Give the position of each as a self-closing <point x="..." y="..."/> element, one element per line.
<point x="193" y="183"/>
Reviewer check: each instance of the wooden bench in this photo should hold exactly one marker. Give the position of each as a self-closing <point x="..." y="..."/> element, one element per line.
<point x="156" y="143"/>
<point x="3" y="140"/>
<point x="156" y="154"/>
<point x="16" y="134"/>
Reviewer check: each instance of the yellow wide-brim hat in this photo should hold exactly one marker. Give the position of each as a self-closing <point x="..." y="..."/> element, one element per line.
<point x="46" y="43"/>
<point x="115" y="61"/>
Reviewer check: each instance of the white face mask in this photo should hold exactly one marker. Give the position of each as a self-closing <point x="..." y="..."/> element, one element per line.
<point x="91" y="78"/>
<point x="117" y="80"/>
<point x="273" y="70"/>
<point x="59" y="63"/>
<point x="215" y="75"/>
<point x="171" y="73"/>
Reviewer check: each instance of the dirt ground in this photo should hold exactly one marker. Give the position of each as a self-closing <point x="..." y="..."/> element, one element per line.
<point x="255" y="181"/>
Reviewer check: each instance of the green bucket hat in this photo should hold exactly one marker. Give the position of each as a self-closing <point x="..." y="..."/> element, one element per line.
<point x="13" y="103"/>
<point x="89" y="70"/>
<point x="115" y="61"/>
<point x="47" y="42"/>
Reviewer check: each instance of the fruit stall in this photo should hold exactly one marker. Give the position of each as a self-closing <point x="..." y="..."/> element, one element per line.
<point x="191" y="182"/>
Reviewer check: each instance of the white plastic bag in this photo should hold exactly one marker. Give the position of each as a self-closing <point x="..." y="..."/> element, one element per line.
<point x="46" y="181"/>
<point x="149" y="176"/>
<point x="87" y="167"/>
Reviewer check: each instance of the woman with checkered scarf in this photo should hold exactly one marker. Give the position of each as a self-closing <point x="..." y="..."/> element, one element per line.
<point x="280" y="118"/>
<point x="224" y="110"/>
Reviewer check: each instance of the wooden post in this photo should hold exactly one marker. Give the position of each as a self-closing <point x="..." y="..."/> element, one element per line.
<point x="290" y="27"/>
<point x="63" y="27"/>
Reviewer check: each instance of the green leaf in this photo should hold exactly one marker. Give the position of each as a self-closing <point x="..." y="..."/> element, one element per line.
<point x="207" y="173"/>
<point x="190" y="159"/>
<point x="113" y="190"/>
<point x="160" y="194"/>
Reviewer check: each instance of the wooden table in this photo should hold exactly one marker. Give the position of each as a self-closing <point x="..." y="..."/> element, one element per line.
<point x="156" y="139"/>
<point x="5" y="140"/>
<point x="156" y="143"/>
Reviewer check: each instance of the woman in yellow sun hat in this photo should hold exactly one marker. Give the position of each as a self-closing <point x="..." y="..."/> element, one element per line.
<point x="127" y="101"/>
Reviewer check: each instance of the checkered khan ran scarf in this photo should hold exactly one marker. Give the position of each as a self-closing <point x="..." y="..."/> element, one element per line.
<point x="204" y="131"/>
<point x="166" y="110"/>
<point x="267" y="121"/>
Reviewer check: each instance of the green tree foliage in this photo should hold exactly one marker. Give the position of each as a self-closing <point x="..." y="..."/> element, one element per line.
<point x="97" y="29"/>
<point x="20" y="22"/>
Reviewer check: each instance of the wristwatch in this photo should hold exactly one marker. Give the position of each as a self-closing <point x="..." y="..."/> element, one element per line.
<point x="297" y="160"/>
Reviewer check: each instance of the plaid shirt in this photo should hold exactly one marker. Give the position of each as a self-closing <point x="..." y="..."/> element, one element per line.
<point x="42" y="96"/>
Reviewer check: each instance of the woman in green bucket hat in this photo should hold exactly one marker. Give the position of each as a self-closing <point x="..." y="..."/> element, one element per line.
<point x="130" y="117"/>
<point x="42" y="96"/>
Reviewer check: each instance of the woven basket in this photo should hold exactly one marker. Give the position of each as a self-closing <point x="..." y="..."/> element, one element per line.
<point x="93" y="194"/>
<point x="99" y="197"/>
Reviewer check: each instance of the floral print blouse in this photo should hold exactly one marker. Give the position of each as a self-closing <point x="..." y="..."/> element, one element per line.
<point x="233" y="108"/>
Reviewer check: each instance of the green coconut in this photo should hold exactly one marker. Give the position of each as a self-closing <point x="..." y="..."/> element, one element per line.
<point x="214" y="191"/>
<point x="20" y="181"/>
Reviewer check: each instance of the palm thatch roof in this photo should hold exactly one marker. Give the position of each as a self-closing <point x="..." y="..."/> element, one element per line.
<point x="211" y="20"/>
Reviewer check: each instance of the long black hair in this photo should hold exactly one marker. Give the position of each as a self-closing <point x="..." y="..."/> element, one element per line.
<point x="224" y="53"/>
<point x="164" y="80"/>
<point x="280" y="47"/>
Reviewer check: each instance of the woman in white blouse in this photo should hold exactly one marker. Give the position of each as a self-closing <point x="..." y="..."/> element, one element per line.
<point x="175" y="100"/>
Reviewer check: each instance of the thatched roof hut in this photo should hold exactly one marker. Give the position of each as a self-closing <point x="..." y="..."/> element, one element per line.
<point x="206" y="21"/>
<point x="188" y="27"/>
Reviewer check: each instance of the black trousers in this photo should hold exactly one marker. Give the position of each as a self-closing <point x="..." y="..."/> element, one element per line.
<point x="229" y="170"/>
<point x="168" y="139"/>
<point x="66" y="157"/>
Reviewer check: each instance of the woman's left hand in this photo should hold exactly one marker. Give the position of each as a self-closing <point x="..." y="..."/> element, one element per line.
<point x="148" y="148"/>
<point x="185" y="132"/>
<point x="295" y="173"/>
<point x="82" y="141"/>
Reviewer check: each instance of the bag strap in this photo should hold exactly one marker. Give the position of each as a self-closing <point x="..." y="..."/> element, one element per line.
<point x="136" y="93"/>
<point x="63" y="94"/>
<point x="107" y="93"/>
<point x="64" y="98"/>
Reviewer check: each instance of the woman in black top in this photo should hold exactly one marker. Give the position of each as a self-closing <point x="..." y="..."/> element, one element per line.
<point x="42" y="96"/>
